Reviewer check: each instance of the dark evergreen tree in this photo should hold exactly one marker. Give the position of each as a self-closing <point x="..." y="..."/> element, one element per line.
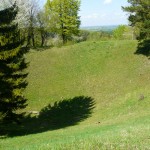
<point x="140" y="17"/>
<point x="12" y="65"/>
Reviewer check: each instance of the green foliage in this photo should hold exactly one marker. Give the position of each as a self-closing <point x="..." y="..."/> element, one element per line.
<point x="41" y="20"/>
<point x="94" y="35"/>
<point x="98" y="35"/>
<point x="12" y="64"/>
<point x="140" y="17"/>
<point x="124" y="32"/>
<point x="86" y="35"/>
<point x="118" y="32"/>
<point x="63" y="17"/>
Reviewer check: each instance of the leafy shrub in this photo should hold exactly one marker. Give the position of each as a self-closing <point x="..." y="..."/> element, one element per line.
<point x="84" y="35"/>
<point x="55" y="41"/>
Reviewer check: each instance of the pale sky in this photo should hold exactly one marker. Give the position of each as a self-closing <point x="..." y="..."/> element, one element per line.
<point x="101" y="12"/>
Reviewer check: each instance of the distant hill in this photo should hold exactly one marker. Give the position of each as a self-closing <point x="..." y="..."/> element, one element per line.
<point x="100" y="28"/>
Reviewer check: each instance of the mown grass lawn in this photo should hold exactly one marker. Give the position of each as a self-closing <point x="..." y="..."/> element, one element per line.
<point x="91" y="95"/>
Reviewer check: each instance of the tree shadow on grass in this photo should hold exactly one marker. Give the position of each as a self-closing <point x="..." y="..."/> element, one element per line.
<point x="42" y="48"/>
<point x="61" y="114"/>
<point x="144" y="48"/>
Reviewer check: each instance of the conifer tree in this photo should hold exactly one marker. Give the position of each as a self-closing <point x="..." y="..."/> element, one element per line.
<point x="12" y="65"/>
<point x="139" y="17"/>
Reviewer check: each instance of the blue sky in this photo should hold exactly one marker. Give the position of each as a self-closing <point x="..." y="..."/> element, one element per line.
<point x="102" y="12"/>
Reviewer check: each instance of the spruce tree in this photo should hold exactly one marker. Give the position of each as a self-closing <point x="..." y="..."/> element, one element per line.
<point x="12" y="65"/>
<point x="139" y="17"/>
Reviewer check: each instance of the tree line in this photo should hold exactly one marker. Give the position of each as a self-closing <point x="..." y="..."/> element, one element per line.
<point x="57" y="18"/>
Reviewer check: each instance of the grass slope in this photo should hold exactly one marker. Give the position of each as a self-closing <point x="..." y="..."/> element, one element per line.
<point x="101" y="95"/>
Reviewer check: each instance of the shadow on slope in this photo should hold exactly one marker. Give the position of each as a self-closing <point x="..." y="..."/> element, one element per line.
<point x="42" y="48"/>
<point x="61" y="114"/>
<point x="144" y="48"/>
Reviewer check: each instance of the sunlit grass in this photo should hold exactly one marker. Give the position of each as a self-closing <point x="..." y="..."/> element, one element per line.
<point x="107" y="71"/>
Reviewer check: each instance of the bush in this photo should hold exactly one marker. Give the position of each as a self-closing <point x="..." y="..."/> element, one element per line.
<point x="83" y="35"/>
<point x="99" y="35"/>
<point x="57" y="41"/>
<point x="77" y="39"/>
<point x="124" y="32"/>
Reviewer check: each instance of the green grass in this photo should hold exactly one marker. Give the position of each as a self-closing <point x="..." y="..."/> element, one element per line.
<point x="96" y="87"/>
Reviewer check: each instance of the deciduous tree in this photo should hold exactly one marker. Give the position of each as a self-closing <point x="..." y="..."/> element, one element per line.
<point x="42" y="26"/>
<point x="63" y="17"/>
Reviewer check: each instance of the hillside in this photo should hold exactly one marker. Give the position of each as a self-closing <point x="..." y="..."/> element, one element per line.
<point x="91" y="95"/>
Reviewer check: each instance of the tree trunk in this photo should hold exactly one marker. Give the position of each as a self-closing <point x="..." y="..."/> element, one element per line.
<point x="42" y="40"/>
<point x="33" y="40"/>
